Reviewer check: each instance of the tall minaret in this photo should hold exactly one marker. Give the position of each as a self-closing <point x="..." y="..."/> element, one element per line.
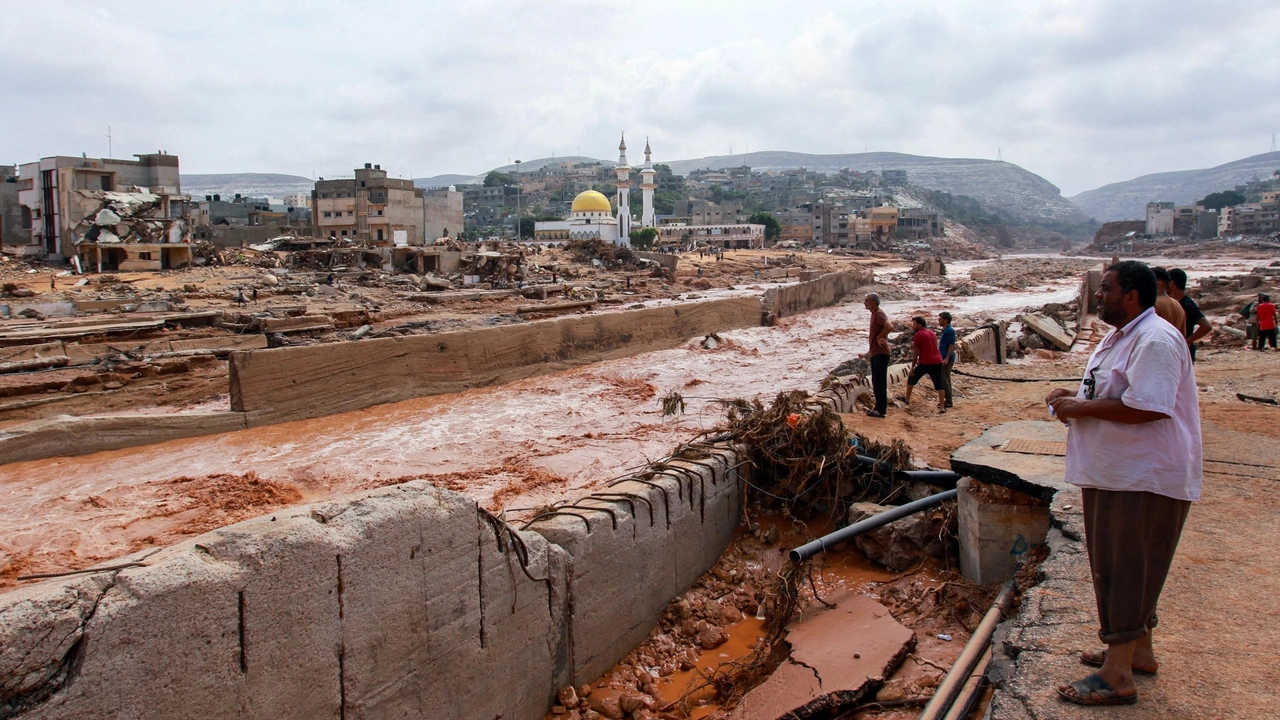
<point x="647" y="186"/>
<point x="624" y="195"/>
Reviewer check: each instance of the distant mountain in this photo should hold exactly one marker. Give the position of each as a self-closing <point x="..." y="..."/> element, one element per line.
<point x="999" y="184"/>
<point x="1128" y="200"/>
<point x="440" y="181"/>
<point x="247" y="184"/>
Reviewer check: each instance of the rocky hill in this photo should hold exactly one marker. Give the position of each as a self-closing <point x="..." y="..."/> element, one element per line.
<point x="1128" y="200"/>
<point x="247" y="184"/>
<point x="1001" y="185"/>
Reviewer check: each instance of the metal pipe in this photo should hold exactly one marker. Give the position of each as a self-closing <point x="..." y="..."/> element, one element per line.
<point x="964" y="665"/>
<point x="809" y="549"/>
<point x="963" y="704"/>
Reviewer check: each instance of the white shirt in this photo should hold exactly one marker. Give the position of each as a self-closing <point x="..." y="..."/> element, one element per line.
<point x="1146" y="366"/>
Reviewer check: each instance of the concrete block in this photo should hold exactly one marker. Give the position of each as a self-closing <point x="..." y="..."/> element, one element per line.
<point x="994" y="537"/>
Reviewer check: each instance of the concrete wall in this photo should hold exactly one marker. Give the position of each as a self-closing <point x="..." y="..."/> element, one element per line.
<point x="668" y="262"/>
<point x="407" y="601"/>
<point x="983" y="345"/>
<point x="826" y="291"/>
<point x="299" y="382"/>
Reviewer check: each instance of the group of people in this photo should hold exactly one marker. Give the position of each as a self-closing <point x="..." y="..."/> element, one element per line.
<point x="1133" y="447"/>
<point x="932" y="354"/>
<point x="1261" y="325"/>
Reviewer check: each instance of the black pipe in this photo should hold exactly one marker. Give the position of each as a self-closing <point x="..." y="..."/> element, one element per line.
<point x="938" y="478"/>
<point x="809" y="549"/>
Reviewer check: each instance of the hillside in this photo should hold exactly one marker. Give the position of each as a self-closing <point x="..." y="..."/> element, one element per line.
<point x="247" y="184"/>
<point x="1128" y="200"/>
<point x="1002" y="185"/>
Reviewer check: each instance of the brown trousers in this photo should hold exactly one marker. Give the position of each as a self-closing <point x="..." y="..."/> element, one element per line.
<point x="1131" y="538"/>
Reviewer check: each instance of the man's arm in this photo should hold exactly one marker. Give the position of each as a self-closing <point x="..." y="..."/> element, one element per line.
<point x="1203" y="327"/>
<point x="1114" y="410"/>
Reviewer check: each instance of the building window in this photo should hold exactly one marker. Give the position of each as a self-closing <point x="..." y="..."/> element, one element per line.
<point x="344" y="233"/>
<point x="324" y="195"/>
<point x="349" y="213"/>
<point x="328" y="214"/>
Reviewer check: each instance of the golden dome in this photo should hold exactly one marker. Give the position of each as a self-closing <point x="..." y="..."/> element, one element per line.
<point x="591" y="201"/>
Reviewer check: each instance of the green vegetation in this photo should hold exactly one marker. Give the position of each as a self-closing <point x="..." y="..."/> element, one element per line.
<point x="1219" y="200"/>
<point x="495" y="178"/>
<point x="772" y="228"/>
<point x="643" y="238"/>
<point x="963" y="209"/>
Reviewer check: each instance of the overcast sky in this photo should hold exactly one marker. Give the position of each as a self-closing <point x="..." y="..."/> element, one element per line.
<point x="1081" y="92"/>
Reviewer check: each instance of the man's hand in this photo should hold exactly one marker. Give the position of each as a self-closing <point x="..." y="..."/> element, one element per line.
<point x="1055" y="394"/>
<point x="1067" y="406"/>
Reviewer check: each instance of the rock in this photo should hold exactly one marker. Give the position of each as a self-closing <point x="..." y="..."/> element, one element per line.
<point x="901" y="544"/>
<point x="591" y="715"/>
<point x="631" y="702"/>
<point x="1031" y="341"/>
<point x="606" y="702"/>
<point x="22" y="292"/>
<point x="584" y="691"/>
<point x="558" y="709"/>
<point x="568" y="696"/>
<point x="711" y="637"/>
<point x="270" y="279"/>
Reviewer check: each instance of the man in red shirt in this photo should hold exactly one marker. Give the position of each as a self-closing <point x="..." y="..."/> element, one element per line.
<point x="926" y="360"/>
<point x="1266" y="323"/>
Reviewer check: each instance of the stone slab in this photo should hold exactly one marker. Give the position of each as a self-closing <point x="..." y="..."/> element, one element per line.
<point x="1036" y="475"/>
<point x="822" y="675"/>
<point x="1048" y="329"/>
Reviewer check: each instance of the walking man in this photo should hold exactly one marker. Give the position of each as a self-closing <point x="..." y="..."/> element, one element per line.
<point x="1197" y="324"/>
<point x="1134" y="449"/>
<point x="925" y="360"/>
<point x="1266" y="332"/>
<point x="947" y="349"/>
<point x="878" y="354"/>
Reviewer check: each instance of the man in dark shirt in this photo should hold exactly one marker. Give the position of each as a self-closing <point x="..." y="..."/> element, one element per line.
<point x="878" y="354"/>
<point x="1197" y="324"/>
<point x="947" y="349"/>
<point x="926" y="360"/>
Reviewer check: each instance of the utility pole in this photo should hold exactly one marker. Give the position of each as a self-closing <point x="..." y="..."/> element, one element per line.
<point x="1273" y="142"/>
<point x="517" y="201"/>
<point x="999" y="155"/>
<point x="109" y="141"/>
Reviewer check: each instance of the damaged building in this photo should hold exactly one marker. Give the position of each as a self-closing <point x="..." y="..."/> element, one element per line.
<point x="111" y="213"/>
<point x="384" y="211"/>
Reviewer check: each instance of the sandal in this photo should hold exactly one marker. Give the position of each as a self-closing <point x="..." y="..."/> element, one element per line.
<point x="1096" y="659"/>
<point x="874" y="414"/>
<point x="1093" y="690"/>
<point x="902" y="399"/>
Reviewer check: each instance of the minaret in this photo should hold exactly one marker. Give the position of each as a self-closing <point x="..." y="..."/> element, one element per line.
<point x="647" y="186"/>
<point x="624" y="195"/>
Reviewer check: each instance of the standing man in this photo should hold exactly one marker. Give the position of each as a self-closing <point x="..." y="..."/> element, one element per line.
<point x="925" y="360"/>
<point x="1197" y="324"/>
<point x="1167" y="307"/>
<point x="947" y="349"/>
<point x="1134" y="449"/>
<point x="1266" y="322"/>
<point x="878" y="354"/>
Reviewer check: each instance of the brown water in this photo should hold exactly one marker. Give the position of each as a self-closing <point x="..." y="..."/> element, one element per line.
<point x="509" y="447"/>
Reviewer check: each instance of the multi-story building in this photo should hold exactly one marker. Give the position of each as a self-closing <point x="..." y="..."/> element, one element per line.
<point x="797" y="224"/>
<point x="705" y="212"/>
<point x="213" y="210"/>
<point x="56" y="195"/>
<point x="1160" y="218"/>
<point x="1260" y="218"/>
<point x="297" y="200"/>
<point x="376" y="209"/>
<point x="719" y="235"/>
<point x="916" y="223"/>
<point x="10" y="217"/>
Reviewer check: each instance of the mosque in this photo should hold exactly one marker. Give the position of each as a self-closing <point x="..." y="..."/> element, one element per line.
<point x="591" y="215"/>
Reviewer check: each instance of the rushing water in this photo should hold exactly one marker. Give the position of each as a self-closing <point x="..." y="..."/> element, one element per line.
<point x="528" y="441"/>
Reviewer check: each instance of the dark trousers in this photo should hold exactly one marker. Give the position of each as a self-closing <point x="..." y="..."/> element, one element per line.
<point x="1261" y="338"/>
<point x="880" y="381"/>
<point x="1131" y="538"/>
<point x="946" y="377"/>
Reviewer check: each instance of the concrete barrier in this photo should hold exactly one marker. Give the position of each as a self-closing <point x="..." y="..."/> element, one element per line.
<point x="406" y="601"/>
<point x="983" y="345"/>
<point x="826" y="291"/>
<point x="668" y="262"/>
<point x="637" y="546"/>
<point x="301" y="382"/>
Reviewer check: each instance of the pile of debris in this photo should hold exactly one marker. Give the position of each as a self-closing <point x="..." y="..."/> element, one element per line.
<point x="602" y="254"/>
<point x="126" y="217"/>
<point x="1022" y="273"/>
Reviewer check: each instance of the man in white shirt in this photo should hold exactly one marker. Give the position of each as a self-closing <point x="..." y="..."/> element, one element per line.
<point x="1134" y="449"/>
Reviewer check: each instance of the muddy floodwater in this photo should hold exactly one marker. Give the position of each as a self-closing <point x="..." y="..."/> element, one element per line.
<point x="509" y="447"/>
